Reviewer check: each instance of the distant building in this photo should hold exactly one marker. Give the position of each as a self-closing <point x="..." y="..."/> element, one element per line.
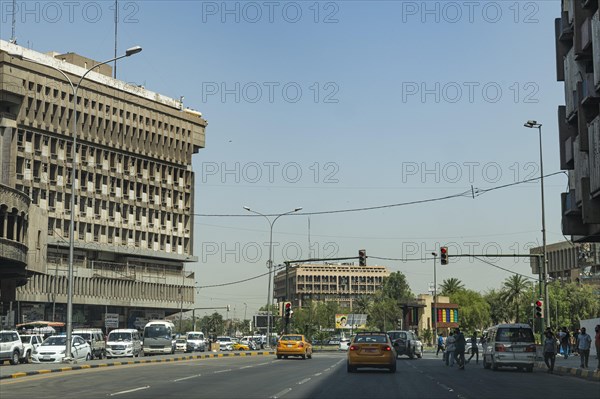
<point x="134" y="230"/>
<point x="571" y="262"/>
<point x="342" y="283"/>
<point x="578" y="66"/>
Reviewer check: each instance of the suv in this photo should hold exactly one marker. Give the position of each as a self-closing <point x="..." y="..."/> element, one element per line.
<point x="95" y="338"/>
<point x="196" y="341"/>
<point x="510" y="345"/>
<point x="30" y="343"/>
<point x="406" y="343"/>
<point x="11" y="347"/>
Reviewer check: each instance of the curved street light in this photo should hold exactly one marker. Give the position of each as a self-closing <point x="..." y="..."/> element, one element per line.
<point x="75" y="88"/>
<point x="270" y="263"/>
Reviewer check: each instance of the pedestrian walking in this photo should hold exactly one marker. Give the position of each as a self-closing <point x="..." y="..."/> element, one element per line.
<point x="584" y="343"/>
<point x="549" y="350"/>
<point x="565" y="342"/>
<point x="450" y="347"/>
<point x="459" y="352"/>
<point x="597" y="342"/>
<point x="440" y="345"/>
<point x="575" y="342"/>
<point x="474" y="348"/>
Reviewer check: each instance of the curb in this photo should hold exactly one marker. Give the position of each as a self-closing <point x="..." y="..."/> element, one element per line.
<point x="129" y="362"/>
<point x="592" y="375"/>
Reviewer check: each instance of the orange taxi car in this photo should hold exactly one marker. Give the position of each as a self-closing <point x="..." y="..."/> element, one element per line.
<point x="293" y="345"/>
<point x="371" y="349"/>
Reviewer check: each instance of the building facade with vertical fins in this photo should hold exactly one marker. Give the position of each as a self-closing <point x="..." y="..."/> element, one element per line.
<point x="133" y="231"/>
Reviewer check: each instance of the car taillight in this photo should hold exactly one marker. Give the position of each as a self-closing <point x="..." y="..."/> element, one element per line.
<point x="530" y="348"/>
<point x="387" y="348"/>
<point x="500" y="348"/>
<point x="300" y="344"/>
<point x="353" y="348"/>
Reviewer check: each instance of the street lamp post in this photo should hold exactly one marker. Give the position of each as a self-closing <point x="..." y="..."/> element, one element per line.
<point x="75" y="88"/>
<point x="434" y="322"/>
<point x="543" y="268"/>
<point x="270" y="263"/>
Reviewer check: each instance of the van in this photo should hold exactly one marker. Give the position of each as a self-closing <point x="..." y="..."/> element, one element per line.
<point x="123" y="343"/>
<point x="196" y="341"/>
<point x="95" y="338"/>
<point x="509" y="345"/>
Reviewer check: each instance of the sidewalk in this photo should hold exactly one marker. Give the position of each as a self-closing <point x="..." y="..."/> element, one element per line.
<point x="571" y="366"/>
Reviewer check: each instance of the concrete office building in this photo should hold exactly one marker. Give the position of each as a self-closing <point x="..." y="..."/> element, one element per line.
<point x="134" y="193"/>
<point x="578" y="66"/>
<point x="329" y="282"/>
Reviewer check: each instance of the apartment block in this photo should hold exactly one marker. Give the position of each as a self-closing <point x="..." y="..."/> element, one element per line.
<point x="329" y="282"/>
<point x="134" y="192"/>
<point x="578" y="66"/>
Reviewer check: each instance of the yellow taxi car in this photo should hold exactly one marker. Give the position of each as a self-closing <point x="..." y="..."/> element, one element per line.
<point x="293" y="345"/>
<point x="371" y="349"/>
<point x="237" y="346"/>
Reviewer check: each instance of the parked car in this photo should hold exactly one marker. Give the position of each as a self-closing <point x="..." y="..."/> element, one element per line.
<point x="405" y="343"/>
<point x="371" y="349"/>
<point x="123" y="342"/>
<point x="95" y="339"/>
<point x="293" y="345"/>
<point x="250" y="343"/>
<point x="238" y="346"/>
<point x="196" y="341"/>
<point x="510" y="345"/>
<point x="53" y="349"/>
<point x="30" y="343"/>
<point x="225" y="343"/>
<point x="181" y="345"/>
<point x="11" y="347"/>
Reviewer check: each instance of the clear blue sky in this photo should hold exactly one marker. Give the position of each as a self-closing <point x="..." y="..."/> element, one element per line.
<point x="375" y="103"/>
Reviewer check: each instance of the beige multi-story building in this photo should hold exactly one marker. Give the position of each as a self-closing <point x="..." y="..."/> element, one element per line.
<point x="134" y="191"/>
<point x="578" y="66"/>
<point x="342" y="283"/>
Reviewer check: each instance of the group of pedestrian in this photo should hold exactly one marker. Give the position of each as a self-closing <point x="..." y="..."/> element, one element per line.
<point x="454" y="351"/>
<point x="560" y="343"/>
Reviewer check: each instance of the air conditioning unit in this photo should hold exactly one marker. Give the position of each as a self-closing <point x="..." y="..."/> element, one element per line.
<point x="151" y="225"/>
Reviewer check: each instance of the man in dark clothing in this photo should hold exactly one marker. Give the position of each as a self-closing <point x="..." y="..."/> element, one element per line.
<point x="459" y="353"/>
<point x="440" y="344"/>
<point x="474" y="348"/>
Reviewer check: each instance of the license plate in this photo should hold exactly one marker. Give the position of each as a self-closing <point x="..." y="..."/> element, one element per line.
<point x="289" y="345"/>
<point x="370" y="350"/>
<point x="46" y="358"/>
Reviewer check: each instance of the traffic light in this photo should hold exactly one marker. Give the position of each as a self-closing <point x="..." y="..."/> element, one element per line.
<point x="444" y="255"/>
<point x="287" y="310"/>
<point x="539" y="305"/>
<point x="362" y="257"/>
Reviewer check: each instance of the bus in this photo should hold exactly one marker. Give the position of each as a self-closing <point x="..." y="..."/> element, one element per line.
<point x="159" y="337"/>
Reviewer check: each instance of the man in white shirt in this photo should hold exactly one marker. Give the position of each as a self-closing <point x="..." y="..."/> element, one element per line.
<point x="584" y="343"/>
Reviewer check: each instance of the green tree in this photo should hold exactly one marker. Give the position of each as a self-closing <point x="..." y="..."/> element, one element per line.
<point x="396" y="287"/>
<point x="516" y="290"/>
<point x="474" y="310"/>
<point x="451" y="286"/>
<point x="498" y="310"/>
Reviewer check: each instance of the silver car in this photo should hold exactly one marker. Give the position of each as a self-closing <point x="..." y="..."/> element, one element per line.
<point x="510" y="345"/>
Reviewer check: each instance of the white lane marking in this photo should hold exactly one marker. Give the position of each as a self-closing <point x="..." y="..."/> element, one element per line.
<point x="246" y="367"/>
<point x="281" y="393"/>
<point x="187" y="378"/>
<point x="303" y="381"/>
<point x="317" y="374"/>
<point x="130" y="390"/>
<point x="221" y="371"/>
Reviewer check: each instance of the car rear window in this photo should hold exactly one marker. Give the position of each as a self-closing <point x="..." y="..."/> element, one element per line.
<point x="380" y="339"/>
<point x="514" y="334"/>
<point x="291" y="338"/>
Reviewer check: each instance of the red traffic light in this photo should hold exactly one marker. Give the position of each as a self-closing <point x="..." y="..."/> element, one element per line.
<point x="288" y="305"/>
<point x="538" y="303"/>
<point x="444" y="250"/>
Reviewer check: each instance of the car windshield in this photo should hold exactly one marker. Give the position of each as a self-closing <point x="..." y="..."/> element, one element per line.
<point x="157" y="332"/>
<point x="514" y="335"/>
<point x="119" y="336"/>
<point x="397" y="335"/>
<point x="223" y="339"/>
<point x="25" y="340"/>
<point x="181" y="341"/>
<point x="194" y="336"/>
<point x="55" y="341"/>
<point x="86" y="336"/>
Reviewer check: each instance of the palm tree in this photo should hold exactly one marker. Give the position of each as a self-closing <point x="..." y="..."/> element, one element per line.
<point x="514" y="289"/>
<point x="451" y="286"/>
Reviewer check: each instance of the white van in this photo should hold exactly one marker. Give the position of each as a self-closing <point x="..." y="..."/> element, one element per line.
<point x="509" y="345"/>
<point x="123" y="342"/>
<point x="95" y="338"/>
<point x="196" y="341"/>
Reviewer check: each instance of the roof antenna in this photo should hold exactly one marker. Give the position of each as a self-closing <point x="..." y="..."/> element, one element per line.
<point x="13" y="38"/>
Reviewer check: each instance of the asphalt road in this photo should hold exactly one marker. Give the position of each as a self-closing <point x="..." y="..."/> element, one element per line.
<point x="323" y="376"/>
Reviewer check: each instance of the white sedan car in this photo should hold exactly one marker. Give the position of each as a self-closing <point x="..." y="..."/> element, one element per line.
<point x="53" y="349"/>
<point x="344" y="344"/>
